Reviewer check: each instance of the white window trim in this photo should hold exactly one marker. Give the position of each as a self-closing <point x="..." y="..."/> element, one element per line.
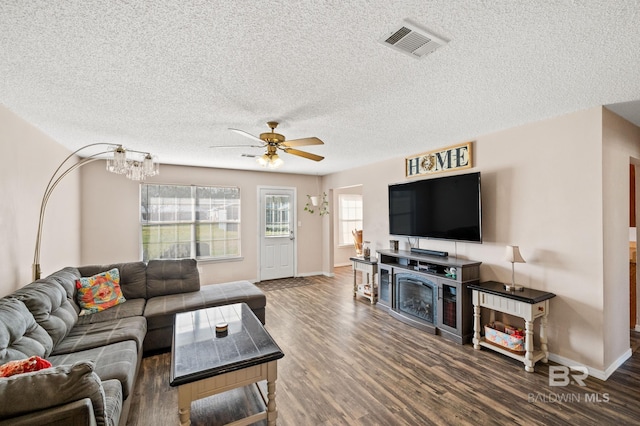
<point x="194" y="222"/>
<point x="347" y="197"/>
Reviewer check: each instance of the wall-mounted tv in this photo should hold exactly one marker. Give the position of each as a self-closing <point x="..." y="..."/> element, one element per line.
<point x="448" y="208"/>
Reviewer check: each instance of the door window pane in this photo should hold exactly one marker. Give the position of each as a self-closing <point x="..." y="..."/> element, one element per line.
<point x="277" y="213"/>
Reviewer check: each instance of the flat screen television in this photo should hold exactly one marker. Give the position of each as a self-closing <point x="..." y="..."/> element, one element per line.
<point x="448" y="208"/>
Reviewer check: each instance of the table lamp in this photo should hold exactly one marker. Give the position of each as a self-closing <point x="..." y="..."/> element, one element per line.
<point x="512" y="254"/>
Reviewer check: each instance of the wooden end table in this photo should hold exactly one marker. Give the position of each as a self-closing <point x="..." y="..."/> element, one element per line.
<point x="369" y="267"/>
<point x="204" y="363"/>
<point x="528" y="304"/>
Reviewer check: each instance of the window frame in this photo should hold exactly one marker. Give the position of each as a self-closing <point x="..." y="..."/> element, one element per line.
<point x="194" y="222"/>
<point x="341" y="220"/>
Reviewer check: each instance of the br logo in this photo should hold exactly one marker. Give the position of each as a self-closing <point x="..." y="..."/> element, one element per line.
<point x="563" y="376"/>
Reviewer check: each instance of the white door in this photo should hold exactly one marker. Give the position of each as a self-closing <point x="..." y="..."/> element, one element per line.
<point x="277" y="233"/>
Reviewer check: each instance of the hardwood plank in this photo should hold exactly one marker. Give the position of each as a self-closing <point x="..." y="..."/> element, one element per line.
<point x="349" y="363"/>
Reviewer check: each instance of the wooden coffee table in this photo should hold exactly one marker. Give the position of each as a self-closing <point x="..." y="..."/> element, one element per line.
<point x="204" y="363"/>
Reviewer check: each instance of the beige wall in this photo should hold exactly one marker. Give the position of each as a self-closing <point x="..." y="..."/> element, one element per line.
<point x="621" y="147"/>
<point x="28" y="160"/>
<point x="542" y="189"/>
<point x="111" y="227"/>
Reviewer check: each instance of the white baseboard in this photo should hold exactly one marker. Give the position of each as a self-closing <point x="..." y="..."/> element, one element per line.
<point x="617" y="363"/>
<point x="311" y="274"/>
<point x="593" y="372"/>
<point x="342" y="264"/>
<point x="637" y="327"/>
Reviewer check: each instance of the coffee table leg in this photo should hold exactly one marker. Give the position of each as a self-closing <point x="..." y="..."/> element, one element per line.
<point x="272" y="375"/>
<point x="184" y="404"/>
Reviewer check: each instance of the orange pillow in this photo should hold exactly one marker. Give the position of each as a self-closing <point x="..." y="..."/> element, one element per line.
<point x="99" y="292"/>
<point x="34" y="363"/>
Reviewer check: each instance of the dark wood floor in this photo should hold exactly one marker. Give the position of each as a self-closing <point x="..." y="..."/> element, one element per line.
<point x="349" y="363"/>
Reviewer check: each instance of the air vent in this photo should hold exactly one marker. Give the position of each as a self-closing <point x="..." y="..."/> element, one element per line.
<point x="410" y="39"/>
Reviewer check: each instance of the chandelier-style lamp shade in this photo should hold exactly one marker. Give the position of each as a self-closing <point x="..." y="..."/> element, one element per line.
<point x="135" y="165"/>
<point x="512" y="254"/>
<point x="139" y="166"/>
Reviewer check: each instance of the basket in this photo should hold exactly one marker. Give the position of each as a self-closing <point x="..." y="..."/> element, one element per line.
<point x="506" y="337"/>
<point x="366" y="289"/>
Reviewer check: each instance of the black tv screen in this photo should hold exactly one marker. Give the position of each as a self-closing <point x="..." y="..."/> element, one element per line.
<point x="448" y="208"/>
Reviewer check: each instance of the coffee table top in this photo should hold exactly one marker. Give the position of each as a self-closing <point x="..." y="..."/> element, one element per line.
<point x="198" y="352"/>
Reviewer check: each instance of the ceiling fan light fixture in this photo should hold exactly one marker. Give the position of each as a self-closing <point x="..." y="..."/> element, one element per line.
<point x="275" y="162"/>
<point x="273" y="142"/>
<point x="272" y="161"/>
<point x="263" y="160"/>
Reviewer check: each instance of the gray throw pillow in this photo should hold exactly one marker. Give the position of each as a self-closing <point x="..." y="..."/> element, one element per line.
<point x="29" y="392"/>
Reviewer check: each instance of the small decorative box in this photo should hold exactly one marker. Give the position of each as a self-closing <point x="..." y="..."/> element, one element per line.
<point x="507" y="337"/>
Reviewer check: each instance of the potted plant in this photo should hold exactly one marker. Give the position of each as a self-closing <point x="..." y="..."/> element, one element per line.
<point x="313" y="205"/>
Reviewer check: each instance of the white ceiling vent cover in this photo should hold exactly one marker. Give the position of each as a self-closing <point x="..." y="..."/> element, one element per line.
<point x="410" y="39"/>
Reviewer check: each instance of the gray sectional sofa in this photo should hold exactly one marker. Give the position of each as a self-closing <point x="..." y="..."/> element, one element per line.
<point x="95" y="358"/>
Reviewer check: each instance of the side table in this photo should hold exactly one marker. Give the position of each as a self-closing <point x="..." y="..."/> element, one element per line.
<point x="369" y="268"/>
<point x="528" y="304"/>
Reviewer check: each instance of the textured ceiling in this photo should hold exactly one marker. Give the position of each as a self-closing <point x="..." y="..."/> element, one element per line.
<point x="171" y="76"/>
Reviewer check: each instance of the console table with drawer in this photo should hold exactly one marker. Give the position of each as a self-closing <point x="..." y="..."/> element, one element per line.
<point x="528" y="304"/>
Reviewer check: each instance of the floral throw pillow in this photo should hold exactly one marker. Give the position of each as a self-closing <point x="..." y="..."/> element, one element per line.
<point x="99" y="292"/>
<point x="34" y="363"/>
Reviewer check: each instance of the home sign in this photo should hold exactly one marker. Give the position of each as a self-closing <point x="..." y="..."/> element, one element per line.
<point x="441" y="160"/>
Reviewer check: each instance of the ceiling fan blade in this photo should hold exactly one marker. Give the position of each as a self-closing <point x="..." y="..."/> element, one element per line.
<point x="236" y="146"/>
<point x="303" y="142"/>
<point x="299" y="153"/>
<point x="243" y="133"/>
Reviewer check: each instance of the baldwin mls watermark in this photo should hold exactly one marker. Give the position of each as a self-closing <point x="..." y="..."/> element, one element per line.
<point x="561" y="376"/>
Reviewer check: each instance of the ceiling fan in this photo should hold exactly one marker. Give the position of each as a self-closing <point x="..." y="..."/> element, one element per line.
<point x="275" y="141"/>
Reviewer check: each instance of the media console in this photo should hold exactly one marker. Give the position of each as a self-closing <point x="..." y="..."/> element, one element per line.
<point x="429" y="292"/>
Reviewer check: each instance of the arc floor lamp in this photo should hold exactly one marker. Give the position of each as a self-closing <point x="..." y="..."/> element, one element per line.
<point x="135" y="165"/>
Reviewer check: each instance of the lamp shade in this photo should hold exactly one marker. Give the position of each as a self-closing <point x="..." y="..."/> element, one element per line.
<point x="512" y="254"/>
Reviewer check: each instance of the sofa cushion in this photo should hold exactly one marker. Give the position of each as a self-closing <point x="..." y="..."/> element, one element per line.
<point x="67" y="279"/>
<point x="42" y="389"/>
<point x="20" y="335"/>
<point x="113" y="397"/>
<point x="99" y="292"/>
<point x="166" y="277"/>
<point x="47" y="301"/>
<point x="160" y="310"/>
<point x="116" y="361"/>
<point x="133" y="277"/>
<point x="78" y="412"/>
<point x="93" y="335"/>
<point x="130" y="308"/>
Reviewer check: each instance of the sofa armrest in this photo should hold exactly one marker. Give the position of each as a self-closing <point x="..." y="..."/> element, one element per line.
<point x="78" y="412"/>
<point x="27" y="393"/>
